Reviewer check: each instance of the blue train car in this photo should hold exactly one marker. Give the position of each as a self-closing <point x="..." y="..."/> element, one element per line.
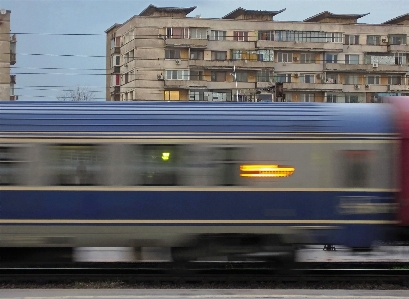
<point x="235" y="179"/>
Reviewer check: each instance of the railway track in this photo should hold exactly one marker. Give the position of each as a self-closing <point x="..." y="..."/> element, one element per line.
<point x="225" y="275"/>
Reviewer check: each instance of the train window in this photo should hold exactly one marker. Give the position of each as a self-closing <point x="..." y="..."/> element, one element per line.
<point x="357" y="168"/>
<point x="10" y="164"/>
<point x="160" y="165"/>
<point x="76" y="164"/>
<point x="228" y="166"/>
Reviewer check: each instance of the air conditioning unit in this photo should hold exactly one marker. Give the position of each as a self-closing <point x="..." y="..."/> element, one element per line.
<point x="375" y="64"/>
<point x="177" y="61"/>
<point x="384" y="40"/>
<point x="295" y="58"/>
<point x="366" y="86"/>
<point x="296" y="75"/>
<point x="160" y="77"/>
<point x="356" y="86"/>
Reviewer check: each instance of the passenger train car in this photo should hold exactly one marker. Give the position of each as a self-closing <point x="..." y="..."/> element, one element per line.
<point x="204" y="179"/>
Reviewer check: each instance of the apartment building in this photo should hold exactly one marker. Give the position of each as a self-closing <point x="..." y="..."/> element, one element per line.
<point x="161" y="54"/>
<point x="7" y="57"/>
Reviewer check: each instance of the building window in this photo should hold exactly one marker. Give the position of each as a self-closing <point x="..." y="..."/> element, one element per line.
<point x="196" y="54"/>
<point x="264" y="76"/>
<point x="196" y="75"/>
<point x="299" y="36"/>
<point x="307" y="78"/>
<point x="266" y="35"/>
<point x="217" y="35"/>
<point x="219" y="55"/>
<point x="351" y="39"/>
<point x="177" y="75"/>
<point x="372" y="80"/>
<point x="334" y="37"/>
<point x="400" y="58"/>
<point x="331" y="98"/>
<point x="394" y="80"/>
<point x="198" y="33"/>
<point x="241" y="36"/>
<point x="374" y="40"/>
<point x="259" y="55"/>
<point x="351" y="59"/>
<point x="397" y="39"/>
<point x="217" y="96"/>
<point x="331" y="78"/>
<point x="171" y="95"/>
<point x="331" y="58"/>
<point x="284" y="57"/>
<point x="283" y="78"/>
<point x="351" y="79"/>
<point x="307" y="58"/>
<point x="241" y="77"/>
<point x="172" y="54"/>
<point x="126" y="78"/>
<point x="351" y="98"/>
<point x="307" y="97"/>
<point x="196" y="95"/>
<point x="218" y="76"/>
<point x="177" y="32"/>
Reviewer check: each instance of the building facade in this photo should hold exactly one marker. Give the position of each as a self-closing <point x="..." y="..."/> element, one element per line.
<point x="161" y="54"/>
<point x="7" y="57"/>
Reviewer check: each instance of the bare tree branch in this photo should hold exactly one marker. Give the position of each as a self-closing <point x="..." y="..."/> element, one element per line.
<point x="79" y="94"/>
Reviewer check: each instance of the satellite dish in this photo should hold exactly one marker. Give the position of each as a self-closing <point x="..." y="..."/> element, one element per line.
<point x="3" y="11"/>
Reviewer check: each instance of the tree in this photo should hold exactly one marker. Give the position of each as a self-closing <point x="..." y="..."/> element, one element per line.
<point x="79" y="94"/>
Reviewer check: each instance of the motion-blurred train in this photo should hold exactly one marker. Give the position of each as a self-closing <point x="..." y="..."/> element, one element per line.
<point x="241" y="180"/>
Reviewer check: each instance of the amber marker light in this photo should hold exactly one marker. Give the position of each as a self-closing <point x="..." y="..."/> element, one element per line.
<point x="266" y="171"/>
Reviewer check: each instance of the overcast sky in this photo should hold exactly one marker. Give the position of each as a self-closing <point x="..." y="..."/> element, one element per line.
<point x="38" y="20"/>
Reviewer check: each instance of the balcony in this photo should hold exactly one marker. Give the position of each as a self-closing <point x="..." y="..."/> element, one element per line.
<point x="395" y="88"/>
<point x="398" y="48"/>
<point x="231" y="85"/>
<point x="229" y="64"/>
<point x="185" y="42"/>
<point x="327" y="47"/>
<point x="13" y="58"/>
<point x="261" y="85"/>
<point x="313" y="86"/>
<point x="340" y="67"/>
<point x="185" y="84"/>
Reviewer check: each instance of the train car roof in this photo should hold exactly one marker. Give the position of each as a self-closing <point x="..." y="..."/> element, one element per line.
<point x="191" y="117"/>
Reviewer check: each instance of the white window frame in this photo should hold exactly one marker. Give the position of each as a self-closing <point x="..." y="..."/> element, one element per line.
<point x="177" y="74"/>
<point x="286" y="57"/>
<point x="373" y="80"/>
<point x="307" y="58"/>
<point x="198" y="33"/>
<point x="349" y="56"/>
<point x="307" y="78"/>
<point x="334" y="37"/>
<point x="217" y="35"/>
<point x="307" y="97"/>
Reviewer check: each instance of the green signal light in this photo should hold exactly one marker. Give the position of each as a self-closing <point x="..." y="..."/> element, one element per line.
<point x="165" y="156"/>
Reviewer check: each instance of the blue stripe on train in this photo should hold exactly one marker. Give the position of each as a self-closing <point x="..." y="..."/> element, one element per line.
<point x="213" y="205"/>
